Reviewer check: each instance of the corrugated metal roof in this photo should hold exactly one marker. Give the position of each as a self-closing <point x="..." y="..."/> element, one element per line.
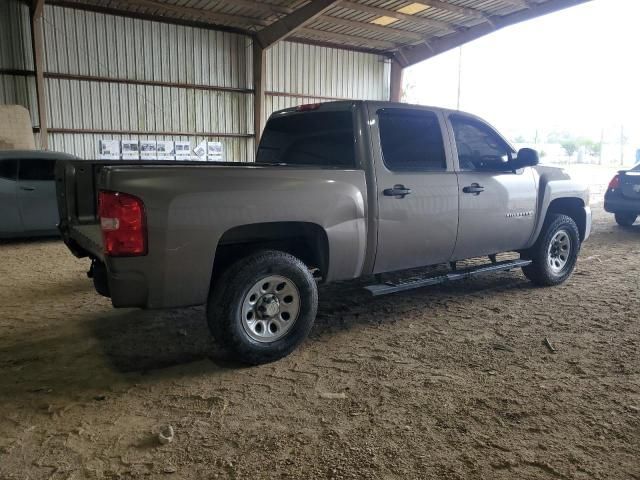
<point x="351" y="26"/>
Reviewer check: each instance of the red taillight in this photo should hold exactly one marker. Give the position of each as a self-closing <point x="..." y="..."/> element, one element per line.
<point x="308" y="107"/>
<point x="614" y="183"/>
<point x="123" y="224"/>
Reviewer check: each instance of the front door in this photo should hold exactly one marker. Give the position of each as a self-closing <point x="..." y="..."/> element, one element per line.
<point x="37" y="195"/>
<point x="10" y="221"/>
<point x="497" y="205"/>
<point x="417" y="189"/>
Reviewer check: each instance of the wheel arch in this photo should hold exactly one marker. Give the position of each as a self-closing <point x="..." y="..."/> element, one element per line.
<point x="573" y="208"/>
<point x="305" y="240"/>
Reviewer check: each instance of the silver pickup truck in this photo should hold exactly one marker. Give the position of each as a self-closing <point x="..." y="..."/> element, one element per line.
<point x="337" y="191"/>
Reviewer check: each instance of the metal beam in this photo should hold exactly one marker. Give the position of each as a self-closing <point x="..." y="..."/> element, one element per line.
<point x="198" y="13"/>
<point x="450" y="7"/>
<point x="259" y="77"/>
<point x="37" y="8"/>
<point x="395" y="88"/>
<point x="164" y="133"/>
<point x="518" y="3"/>
<point x="37" y="43"/>
<point x="418" y="20"/>
<point x="372" y="27"/>
<point x="120" y="10"/>
<point x="261" y="6"/>
<point x="349" y="39"/>
<point x="436" y="45"/>
<point x="340" y="46"/>
<point x="288" y="25"/>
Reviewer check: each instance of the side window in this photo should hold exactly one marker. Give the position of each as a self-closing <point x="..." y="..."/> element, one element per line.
<point x="479" y="148"/>
<point x="411" y="141"/>
<point x="8" y="169"/>
<point x="37" y="170"/>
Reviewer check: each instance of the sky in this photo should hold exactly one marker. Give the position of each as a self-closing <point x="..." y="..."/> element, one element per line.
<point x="575" y="71"/>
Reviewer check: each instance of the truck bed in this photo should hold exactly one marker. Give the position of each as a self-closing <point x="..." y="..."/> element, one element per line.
<point x="76" y="191"/>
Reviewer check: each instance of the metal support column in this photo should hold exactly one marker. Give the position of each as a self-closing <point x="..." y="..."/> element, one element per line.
<point x="37" y="40"/>
<point x="395" y="91"/>
<point x="259" y="75"/>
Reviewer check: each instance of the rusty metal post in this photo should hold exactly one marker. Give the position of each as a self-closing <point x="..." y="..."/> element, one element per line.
<point x="37" y="43"/>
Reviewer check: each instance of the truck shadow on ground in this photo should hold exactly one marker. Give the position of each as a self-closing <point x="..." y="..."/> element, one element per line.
<point x="17" y="241"/>
<point x="142" y="341"/>
<point x="132" y="344"/>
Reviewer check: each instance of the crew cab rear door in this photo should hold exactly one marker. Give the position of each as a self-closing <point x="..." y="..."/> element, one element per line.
<point x="417" y="189"/>
<point x="497" y="205"/>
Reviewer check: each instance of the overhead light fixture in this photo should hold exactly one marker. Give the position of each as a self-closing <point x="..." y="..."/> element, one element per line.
<point x="384" y="20"/>
<point x="412" y="9"/>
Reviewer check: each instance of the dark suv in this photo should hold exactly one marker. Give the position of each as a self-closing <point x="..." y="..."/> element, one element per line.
<point x="623" y="196"/>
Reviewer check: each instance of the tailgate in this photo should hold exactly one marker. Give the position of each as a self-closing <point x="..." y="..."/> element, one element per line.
<point x="76" y="192"/>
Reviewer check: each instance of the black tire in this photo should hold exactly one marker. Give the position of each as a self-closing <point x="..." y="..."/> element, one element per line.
<point x="625" y="219"/>
<point x="540" y="271"/>
<point x="228" y="295"/>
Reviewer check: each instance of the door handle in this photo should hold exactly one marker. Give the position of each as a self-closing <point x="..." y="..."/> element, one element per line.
<point x="28" y="189"/>
<point x="398" y="191"/>
<point x="474" y="188"/>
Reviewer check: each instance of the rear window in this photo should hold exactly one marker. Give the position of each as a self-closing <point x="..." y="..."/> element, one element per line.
<point x="8" y="169"/>
<point x="313" y="138"/>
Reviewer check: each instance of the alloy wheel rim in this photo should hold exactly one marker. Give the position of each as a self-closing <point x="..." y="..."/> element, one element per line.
<point x="559" y="251"/>
<point x="270" y="308"/>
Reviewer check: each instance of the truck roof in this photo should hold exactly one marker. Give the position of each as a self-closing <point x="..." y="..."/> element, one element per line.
<point x="348" y="104"/>
<point x="344" y="104"/>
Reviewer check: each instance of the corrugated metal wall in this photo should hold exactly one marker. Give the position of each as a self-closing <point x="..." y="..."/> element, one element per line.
<point x="322" y="74"/>
<point x="174" y="69"/>
<point x="117" y="77"/>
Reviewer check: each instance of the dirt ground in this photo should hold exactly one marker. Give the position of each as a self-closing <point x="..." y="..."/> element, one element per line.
<point x="447" y="382"/>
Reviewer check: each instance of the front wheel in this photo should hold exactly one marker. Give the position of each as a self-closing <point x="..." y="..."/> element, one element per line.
<point x="555" y="253"/>
<point x="625" y="219"/>
<point x="263" y="306"/>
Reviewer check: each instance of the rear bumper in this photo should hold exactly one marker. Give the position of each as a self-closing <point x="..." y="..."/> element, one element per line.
<point x="128" y="290"/>
<point x="587" y="223"/>
<point x="616" y="203"/>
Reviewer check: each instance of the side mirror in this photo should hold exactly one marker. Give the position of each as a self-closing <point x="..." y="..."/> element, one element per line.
<point x="527" y="157"/>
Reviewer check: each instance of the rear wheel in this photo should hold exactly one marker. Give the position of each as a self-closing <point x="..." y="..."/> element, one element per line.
<point x="625" y="219"/>
<point x="263" y="306"/>
<point x="555" y="253"/>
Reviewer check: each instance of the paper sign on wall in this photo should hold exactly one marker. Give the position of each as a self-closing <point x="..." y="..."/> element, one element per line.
<point x="159" y="150"/>
<point x="201" y="150"/>
<point x="215" y="152"/>
<point x="165" y="150"/>
<point x="148" y="149"/>
<point x="109" y="150"/>
<point x="183" y="150"/>
<point x="130" y="150"/>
